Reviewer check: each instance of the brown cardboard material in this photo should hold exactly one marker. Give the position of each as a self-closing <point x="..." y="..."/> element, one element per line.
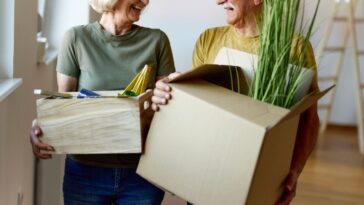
<point x="211" y="145"/>
<point x="95" y="125"/>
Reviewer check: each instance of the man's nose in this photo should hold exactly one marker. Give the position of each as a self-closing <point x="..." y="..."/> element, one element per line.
<point x="219" y="2"/>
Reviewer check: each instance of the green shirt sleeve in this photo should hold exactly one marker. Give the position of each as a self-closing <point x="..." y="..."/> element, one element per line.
<point x="67" y="58"/>
<point x="166" y="62"/>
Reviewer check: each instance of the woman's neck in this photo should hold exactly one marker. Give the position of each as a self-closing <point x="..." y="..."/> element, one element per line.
<point x="113" y="23"/>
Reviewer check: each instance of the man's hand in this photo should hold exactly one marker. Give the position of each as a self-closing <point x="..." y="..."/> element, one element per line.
<point x="37" y="144"/>
<point x="289" y="189"/>
<point x="162" y="91"/>
<point x="305" y="142"/>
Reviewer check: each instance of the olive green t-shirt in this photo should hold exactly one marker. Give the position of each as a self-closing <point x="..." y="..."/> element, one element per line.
<point x="212" y="40"/>
<point x="102" y="61"/>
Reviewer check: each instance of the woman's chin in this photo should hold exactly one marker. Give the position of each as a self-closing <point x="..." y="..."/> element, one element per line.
<point x="134" y="18"/>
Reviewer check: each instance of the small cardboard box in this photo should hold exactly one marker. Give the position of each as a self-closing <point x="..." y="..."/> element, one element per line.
<point x="95" y="125"/>
<point x="211" y="145"/>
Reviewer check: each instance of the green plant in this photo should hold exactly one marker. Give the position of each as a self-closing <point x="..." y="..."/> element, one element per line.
<point x="282" y="49"/>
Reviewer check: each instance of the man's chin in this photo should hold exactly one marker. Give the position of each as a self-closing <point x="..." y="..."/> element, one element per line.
<point x="230" y="22"/>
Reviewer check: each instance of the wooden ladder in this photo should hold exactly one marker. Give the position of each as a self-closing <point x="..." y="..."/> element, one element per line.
<point x="350" y="32"/>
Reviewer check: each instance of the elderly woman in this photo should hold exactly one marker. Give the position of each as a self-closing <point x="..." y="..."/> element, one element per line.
<point x="106" y="55"/>
<point x="242" y="34"/>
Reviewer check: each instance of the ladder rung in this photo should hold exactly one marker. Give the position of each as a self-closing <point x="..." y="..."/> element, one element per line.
<point x="341" y="18"/>
<point x="335" y="49"/>
<point x="324" y="106"/>
<point x="328" y="78"/>
<point x="360" y="52"/>
<point x="361" y="86"/>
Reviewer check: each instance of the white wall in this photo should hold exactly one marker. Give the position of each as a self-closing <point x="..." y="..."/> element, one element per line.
<point x="6" y="38"/>
<point x="60" y="15"/>
<point x="16" y="161"/>
<point x="344" y="111"/>
<point x="18" y="109"/>
<point x="183" y="21"/>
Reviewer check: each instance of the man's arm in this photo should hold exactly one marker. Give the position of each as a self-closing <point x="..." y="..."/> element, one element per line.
<point x="306" y="138"/>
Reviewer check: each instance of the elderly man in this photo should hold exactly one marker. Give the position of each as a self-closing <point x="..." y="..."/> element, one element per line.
<point x="242" y="34"/>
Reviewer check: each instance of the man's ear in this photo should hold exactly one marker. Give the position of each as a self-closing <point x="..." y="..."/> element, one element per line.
<point x="258" y="2"/>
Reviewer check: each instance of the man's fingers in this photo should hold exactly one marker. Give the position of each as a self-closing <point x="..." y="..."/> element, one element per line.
<point x="161" y="94"/>
<point x="174" y="75"/>
<point x="291" y="181"/>
<point x="158" y="100"/>
<point x="289" y="188"/>
<point x="155" y="107"/>
<point x="162" y="85"/>
<point x="287" y="198"/>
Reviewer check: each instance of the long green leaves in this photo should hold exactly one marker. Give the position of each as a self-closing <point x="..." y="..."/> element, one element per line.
<point x="281" y="55"/>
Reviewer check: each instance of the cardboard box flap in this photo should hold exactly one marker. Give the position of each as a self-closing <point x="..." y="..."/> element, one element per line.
<point x="146" y="114"/>
<point x="251" y="111"/>
<point x="218" y="75"/>
<point x="305" y="103"/>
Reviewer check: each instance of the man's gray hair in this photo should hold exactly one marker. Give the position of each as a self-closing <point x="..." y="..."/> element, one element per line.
<point x="101" y="6"/>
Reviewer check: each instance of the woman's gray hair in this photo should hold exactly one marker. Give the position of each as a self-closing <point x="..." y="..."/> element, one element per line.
<point x="101" y="6"/>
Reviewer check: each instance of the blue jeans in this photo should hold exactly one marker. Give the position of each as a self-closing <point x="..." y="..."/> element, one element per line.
<point x="89" y="185"/>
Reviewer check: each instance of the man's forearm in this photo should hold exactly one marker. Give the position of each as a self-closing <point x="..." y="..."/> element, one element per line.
<point x="307" y="135"/>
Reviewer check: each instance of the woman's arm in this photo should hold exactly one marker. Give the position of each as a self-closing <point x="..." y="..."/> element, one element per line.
<point x="66" y="83"/>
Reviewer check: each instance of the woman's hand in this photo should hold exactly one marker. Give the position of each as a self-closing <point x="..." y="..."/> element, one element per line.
<point x="37" y="144"/>
<point x="162" y="91"/>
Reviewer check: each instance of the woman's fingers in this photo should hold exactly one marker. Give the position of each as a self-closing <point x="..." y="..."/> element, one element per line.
<point x="37" y="145"/>
<point x="40" y="155"/>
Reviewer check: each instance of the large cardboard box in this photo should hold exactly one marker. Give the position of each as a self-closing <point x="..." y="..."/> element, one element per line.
<point x="211" y="145"/>
<point x="95" y="125"/>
